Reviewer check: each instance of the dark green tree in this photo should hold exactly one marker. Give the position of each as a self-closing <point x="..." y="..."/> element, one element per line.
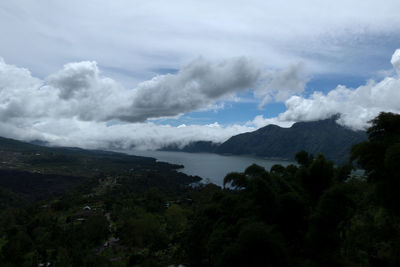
<point x="380" y="158"/>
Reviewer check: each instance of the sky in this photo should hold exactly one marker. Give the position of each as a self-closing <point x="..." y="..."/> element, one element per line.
<point x="145" y="74"/>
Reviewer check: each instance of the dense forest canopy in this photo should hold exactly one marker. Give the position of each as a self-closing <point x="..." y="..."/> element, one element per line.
<point x="310" y="214"/>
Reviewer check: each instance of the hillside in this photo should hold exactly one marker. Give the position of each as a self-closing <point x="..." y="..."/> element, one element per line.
<point x="36" y="172"/>
<point x="271" y="141"/>
<point x="324" y="136"/>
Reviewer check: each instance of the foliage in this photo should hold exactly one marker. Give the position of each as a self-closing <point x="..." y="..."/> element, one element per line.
<point x="309" y="214"/>
<point x="380" y="157"/>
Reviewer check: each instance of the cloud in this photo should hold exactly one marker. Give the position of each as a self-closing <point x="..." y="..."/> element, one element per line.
<point x="396" y="60"/>
<point x="259" y="121"/>
<point x="356" y="106"/>
<point x="280" y="85"/>
<point x="75" y="79"/>
<point x="82" y="92"/>
<point x="17" y="86"/>
<point x="79" y="90"/>
<point x="100" y="135"/>
<point x="200" y="83"/>
<point x="78" y="106"/>
<point x="333" y="36"/>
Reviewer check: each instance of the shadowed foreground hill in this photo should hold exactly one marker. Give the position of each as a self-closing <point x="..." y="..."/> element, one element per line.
<point x="324" y="136"/>
<point x="36" y="172"/>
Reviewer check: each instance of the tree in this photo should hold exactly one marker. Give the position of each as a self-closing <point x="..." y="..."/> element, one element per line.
<point x="236" y="180"/>
<point x="303" y="158"/>
<point x="258" y="244"/>
<point x="380" y="158"/>
<point x="316" y="176"/>
<point x="176" y="218"/>
<point x="334" y="209"/>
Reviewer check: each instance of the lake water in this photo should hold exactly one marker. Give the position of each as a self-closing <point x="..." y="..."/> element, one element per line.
<point x="210" y="167"/>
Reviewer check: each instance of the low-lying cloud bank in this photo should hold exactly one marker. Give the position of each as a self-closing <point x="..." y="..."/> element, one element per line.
<point x="99" y="135"/>
<point x="77" y="106"/>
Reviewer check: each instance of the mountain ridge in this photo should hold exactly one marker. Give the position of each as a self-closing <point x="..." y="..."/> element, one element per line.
<point x="272" y="141"/>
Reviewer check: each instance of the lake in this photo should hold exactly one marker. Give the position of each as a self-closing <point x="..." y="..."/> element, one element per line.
<point x="210" y="167"/>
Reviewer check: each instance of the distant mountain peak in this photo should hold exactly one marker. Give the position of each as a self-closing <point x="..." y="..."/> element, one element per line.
<point x="328" y="121"/>
<point x="272" y="141"/>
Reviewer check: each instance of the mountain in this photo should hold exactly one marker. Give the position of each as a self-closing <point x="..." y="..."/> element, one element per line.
<point x="324" y="136"/>
<point x="271" y="141"/>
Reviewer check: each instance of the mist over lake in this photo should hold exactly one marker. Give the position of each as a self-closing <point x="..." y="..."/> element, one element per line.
<point x="210" y="167"/>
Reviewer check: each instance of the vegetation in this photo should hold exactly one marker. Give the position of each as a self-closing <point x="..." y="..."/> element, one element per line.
<point x="309" y="214"/>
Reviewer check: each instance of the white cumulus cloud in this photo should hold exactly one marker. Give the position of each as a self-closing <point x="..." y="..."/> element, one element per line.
<point x="280" y="85"/>
<point x="198" y="84"/>
<point x="356" y="106"/>
<point x="396" y="60"/>
<point x="79" y="106"/>
<point x="79" y="90"/>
